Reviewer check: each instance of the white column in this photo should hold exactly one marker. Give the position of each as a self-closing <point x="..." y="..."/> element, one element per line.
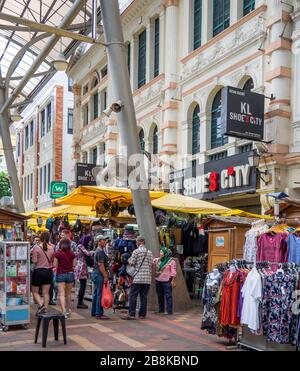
<point x="172" y="15"/>
<point x="207" y="21"/>
<point x="162" y="50"/>
<point x="149" y="50"/>
<point x="188" y="21"/>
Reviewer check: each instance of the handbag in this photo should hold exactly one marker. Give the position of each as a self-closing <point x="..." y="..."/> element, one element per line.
<point x="107" y="299"/>
<point x="131" y="271"/>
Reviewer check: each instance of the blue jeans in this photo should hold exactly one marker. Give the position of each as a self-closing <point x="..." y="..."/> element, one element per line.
<point x="164" y="290"/>
<point x="98" y="280"/>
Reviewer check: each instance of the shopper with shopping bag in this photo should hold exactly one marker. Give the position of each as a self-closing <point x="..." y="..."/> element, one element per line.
<point x="99" y="278"/>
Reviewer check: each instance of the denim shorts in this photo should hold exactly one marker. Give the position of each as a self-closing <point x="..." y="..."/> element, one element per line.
<point x="65" y="277"/>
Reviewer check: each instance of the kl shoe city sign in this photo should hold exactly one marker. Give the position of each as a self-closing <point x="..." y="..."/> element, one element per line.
<point x="242" y="114"/>
<point x="58" y="189"/>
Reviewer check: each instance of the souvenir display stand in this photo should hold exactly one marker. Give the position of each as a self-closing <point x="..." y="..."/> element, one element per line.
<point x="14" y="284"/>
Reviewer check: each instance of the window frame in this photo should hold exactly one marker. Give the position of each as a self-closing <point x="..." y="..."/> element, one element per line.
<point x="142" y="58"/>
<point x="196" y="139"/>
<point x="248" y="6"/>
<point x="221" y="21"/>
<point x="26" y="137"/>
<point x="31" y="133"/>
<point x="70" y="127"/>
<point x="95" y="106"/>
<point x="142" y="139"/>
<point x="156" y="47"/>
<point x="49" y="117"/>
<point x="215" y="123"/>
<point x="197" y="41"/>
<point x="43" y="122"/>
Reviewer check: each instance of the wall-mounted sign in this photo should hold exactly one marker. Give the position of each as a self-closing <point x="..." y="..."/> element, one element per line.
<point x="58" y="189"/>
<point x="84" y="175"/>
<point x="220" y="241"/>
<point x="242" y="114"/>
<point x="231" y="175"/>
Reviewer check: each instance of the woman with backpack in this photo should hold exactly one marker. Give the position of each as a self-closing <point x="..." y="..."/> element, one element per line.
<point x="42" y="276"/>
<point x="84" y="259"/>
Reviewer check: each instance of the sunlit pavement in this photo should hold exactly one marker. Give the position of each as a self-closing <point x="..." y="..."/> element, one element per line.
<point x="158" y="332"/>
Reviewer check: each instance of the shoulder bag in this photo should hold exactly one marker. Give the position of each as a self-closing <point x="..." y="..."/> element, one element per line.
<point x="132" y="271"/>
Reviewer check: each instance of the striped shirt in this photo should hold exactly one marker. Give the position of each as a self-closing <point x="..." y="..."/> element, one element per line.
<point x="144" y="274"/>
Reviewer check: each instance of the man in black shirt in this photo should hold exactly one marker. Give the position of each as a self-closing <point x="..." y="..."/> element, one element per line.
<point x="99" y="277"/>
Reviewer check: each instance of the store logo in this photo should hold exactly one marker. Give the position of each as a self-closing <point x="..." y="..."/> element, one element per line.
<point x="58" y="189"/>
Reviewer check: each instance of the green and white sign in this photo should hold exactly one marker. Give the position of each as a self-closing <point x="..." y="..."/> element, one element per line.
<point x="58" y="189"/>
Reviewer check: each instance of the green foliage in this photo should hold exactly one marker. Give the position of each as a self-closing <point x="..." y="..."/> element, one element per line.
<point x="4" y="184"/>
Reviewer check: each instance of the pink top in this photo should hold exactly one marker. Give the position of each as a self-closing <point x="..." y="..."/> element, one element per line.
<point x="39" y="257"/>
<point x="272" y="248"/>
<point x="168" y="272"/>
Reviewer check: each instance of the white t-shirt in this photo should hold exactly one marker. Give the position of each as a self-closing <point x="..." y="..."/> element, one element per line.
<point x="252" y="294"/>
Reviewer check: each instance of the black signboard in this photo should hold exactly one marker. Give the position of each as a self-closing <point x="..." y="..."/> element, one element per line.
<point x="229" y="176"/>
<point x="242" y="114"/>
<point x="84" y="175"/>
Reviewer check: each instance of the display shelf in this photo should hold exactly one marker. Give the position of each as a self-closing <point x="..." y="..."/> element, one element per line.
<point x="14" y="283"/>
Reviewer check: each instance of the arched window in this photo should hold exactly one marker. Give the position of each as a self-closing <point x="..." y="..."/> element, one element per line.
<point x="249" y="6"/>
<point x="196" y="131"/>
<point x="155" y="141"/>
<point x="142" y="139"/>
<point x="221" y="16"/>
<point x="217" y="139"/>
<point x="249" y="85"/>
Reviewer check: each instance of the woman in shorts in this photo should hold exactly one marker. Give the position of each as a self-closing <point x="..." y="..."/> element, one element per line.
<point x="64" y="262"/>
<point x="42" y="259"/>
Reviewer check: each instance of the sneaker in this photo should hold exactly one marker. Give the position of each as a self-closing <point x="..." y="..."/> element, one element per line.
<point x="103" y="318"/>
<point x="66" y="315"/>
<point x="82" y="306"/>
<point x="128" y="318"/>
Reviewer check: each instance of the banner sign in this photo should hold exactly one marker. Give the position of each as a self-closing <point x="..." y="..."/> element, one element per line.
<point x="242" y="114"/>
<point x="84" y="175"/>
<point x="58" y="190"/>
<point x="229" y="176"/>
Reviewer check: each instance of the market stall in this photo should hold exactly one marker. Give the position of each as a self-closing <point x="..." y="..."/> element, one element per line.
<point x="14" y="270"/>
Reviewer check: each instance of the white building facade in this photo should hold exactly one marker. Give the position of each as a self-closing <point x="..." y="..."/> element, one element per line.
<point x="44" y="142"/>
<point x="180" y="54"/>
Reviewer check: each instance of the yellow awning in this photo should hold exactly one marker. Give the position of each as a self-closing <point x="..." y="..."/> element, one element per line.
<point x="62" y="210"/>
<point x="188" y="205"/>
<point x="236" y="212"/>
<point x="89" y="196"/>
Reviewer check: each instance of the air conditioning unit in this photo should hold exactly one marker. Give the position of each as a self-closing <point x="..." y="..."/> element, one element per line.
<point x="7" y="201"/>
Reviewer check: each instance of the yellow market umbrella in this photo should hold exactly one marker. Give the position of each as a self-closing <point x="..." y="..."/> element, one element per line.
<point x="188" y="205"/>
<point x="89" y="196"/>
<point x="62" y="210"/>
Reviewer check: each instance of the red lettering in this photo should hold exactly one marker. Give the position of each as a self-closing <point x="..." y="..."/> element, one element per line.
<point x="214" y="182"/>
<point x="231" y="171"/>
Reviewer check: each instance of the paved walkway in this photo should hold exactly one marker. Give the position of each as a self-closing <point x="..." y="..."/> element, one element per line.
<point x="158" y="332"/>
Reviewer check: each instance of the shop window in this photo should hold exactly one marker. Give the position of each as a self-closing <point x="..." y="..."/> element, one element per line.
<point x="218" y="156"/>
<point x="249" y="6"/>
<point x="155" y="141"/>
<point x="196" y="131"/>
<point x="197" y="23"/>
<point x="217" y="139"/>
<point x="31" y="133"/>
<point x="249" y="85"/>
<point x="221" y="16"/>
<point x="49" y="117"/>
<point x="142" y="139"/>
<point x="43" y="124"/>
<point x="70" y="121"/>
<point x="156" y="47"/>
<point x="142" y="59"/>
<point x="26" y="137"/>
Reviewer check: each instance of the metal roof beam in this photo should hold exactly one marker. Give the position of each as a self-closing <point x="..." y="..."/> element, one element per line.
<point x="75" y="27"/>
<point x="33" y="76"/>
<point x="70" y="16"/>
<point x="45" y="28"/>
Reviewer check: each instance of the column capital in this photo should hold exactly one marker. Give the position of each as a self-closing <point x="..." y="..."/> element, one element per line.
<point x="76" y="89"/>
<point x="168" y="3"/>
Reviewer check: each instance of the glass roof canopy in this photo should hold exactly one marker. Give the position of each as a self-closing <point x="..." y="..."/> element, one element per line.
<point x="12" y="38"/>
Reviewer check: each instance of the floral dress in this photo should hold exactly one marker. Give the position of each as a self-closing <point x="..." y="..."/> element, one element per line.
<point x="81" y="269"/>
<point x="277" y="306"/>
<point x="210" y="316"/>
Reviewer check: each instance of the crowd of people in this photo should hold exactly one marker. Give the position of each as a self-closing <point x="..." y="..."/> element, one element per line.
<point x="56" y="269"/>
